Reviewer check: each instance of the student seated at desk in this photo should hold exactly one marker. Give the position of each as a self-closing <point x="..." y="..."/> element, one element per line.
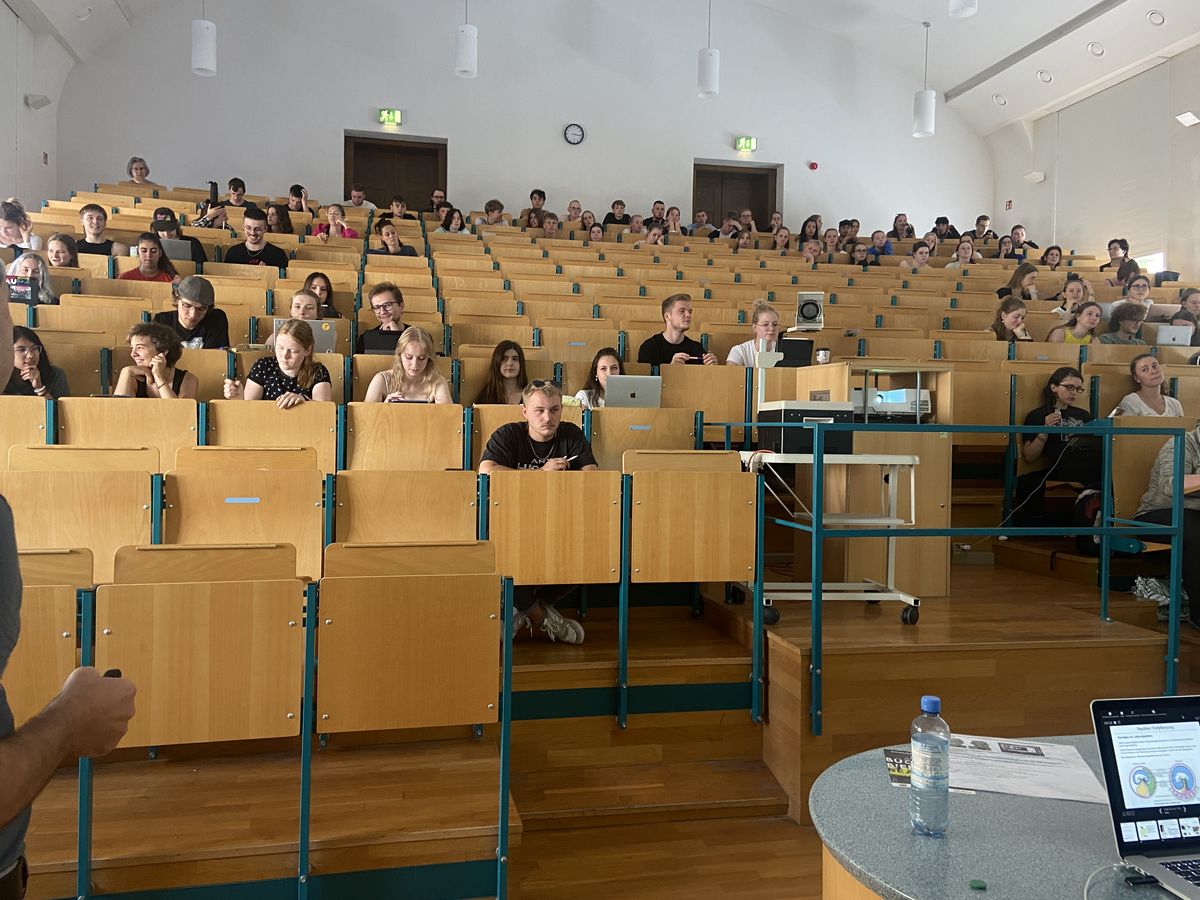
<point x="32" y="374"/>
<point x="506" y="379"/>
<point x="1149" y="398"/>
<point x="291" y="376"/>
<point x="604" y="363"/>
<point x="1081" y="328"/>
<point x="155" y="349"/>
<point x="543" y="441"/>
<point x="764" y="324"/>
<point x="1065" y="458"/>
<point x="1124" y="322"/>
<point x="1157" y="502"/>
<point x="1010" y="321"/>
<point x="673" y="345"/>
<point x="33" y="267"/>
<point x="387" y="302"/>
<point x="414" y="375"/>
<point x="305" y="306"/>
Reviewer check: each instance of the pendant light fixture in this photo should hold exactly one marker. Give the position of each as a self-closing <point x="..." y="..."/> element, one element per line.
<point x="962" y="9"/>
<point x="925" y="100"/>
<point x="708" y="78"/>
<point x="204" y="45"/>
<point x="466" y="46"/>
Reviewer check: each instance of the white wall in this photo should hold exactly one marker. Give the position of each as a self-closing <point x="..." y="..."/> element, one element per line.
<point x="28" y="65"/>
<point x="295" y="74"/>
<point x="9" y="97"/>
<point x="1117" y="165"/>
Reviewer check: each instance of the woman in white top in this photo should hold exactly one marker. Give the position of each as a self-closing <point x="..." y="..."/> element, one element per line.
<point x="1149" y="399"/>
<point x="964" y="255"/>
<point x="414" y="374"/>
<point x="764" y="321"/>
<point x="604" y="363"/>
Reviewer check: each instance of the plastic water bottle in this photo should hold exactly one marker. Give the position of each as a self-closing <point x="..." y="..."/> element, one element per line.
<point x="929" y="792"/>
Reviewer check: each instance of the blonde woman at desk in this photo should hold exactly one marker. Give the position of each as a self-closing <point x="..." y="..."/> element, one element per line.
<point x="764" y="323"/>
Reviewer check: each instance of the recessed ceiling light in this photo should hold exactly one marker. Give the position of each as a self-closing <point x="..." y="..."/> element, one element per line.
<point x="1188" y="119"/>
<point x="1095" y="48"/>
<point x="1156" y="17"/>
<point x="1044" y="77"/>
<point x="999" y="99"/>
<point x="84" y="13"/>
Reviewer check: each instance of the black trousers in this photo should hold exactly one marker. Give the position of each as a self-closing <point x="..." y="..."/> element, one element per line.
<point x="12" y="885"/>
<point x="1190" y="550"/>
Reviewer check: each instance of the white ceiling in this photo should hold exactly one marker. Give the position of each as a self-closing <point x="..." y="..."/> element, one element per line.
<point x="960" y="49"/>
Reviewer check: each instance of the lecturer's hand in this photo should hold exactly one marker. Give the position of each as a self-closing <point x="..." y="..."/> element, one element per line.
<point x="99" y="710"/>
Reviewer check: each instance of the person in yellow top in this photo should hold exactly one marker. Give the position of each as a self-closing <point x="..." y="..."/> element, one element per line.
<point x="1081" y="329"/>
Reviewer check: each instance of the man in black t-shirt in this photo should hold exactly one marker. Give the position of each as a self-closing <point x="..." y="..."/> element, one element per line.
<point x="237" y="196"/>
<point x="657" y="216"/>
<point x="255" y="251"/>
<point x="387" y="302"/>
<point x="673" y="346"/>
<point x="543" y="441"/>
<point x="199" y="324"/>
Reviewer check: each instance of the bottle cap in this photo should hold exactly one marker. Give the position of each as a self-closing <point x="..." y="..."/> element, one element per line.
<point x="931" y="704"/>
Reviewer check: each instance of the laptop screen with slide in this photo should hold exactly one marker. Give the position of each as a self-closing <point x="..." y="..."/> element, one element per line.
<point x="1150" y="752"/>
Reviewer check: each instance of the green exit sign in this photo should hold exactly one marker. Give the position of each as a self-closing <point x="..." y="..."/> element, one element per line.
<point x="743" y="143"/>
<point x="390" y="117"/>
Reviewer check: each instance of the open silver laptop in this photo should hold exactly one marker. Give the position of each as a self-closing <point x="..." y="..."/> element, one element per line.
<point x="636" y="391"/>
<point x="173" y="247"/>
<point x="324" y="335"/>
<point x="1150" y="754"/>
<point x="1174" y="335"/>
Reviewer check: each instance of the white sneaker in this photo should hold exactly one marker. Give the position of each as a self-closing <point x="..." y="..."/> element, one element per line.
<point x="558" y="628"/>
<point x="521" y="622"/>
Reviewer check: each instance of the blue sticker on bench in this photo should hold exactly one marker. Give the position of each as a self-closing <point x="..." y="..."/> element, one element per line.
<point x="243" y="500"/>
<point x="640" y="427"/>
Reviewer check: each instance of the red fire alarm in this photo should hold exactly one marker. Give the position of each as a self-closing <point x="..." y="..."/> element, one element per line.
<point x="813" y="166"/>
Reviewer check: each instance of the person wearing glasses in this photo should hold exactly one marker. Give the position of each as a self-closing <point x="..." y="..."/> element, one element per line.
<point x="541" y="442"/>
<point x="388" y="305"/>
<point x="255" y="251"/>
<point x="32" y="374"/>
<point x="1149" y="397"/>
<point x="1065" y="458"/>
<point x="195" y="318"/>
<point x="1137" y="291"/>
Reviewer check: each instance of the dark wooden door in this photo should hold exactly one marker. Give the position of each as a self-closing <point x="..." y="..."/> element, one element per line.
<point x="719" y="189"/>
<point x="384" y="168"/>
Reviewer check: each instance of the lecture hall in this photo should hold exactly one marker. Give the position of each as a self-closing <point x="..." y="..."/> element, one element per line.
<point x="657" y="404"/>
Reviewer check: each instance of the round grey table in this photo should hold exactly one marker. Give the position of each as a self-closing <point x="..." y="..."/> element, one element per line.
<point x="1024" y="848"/>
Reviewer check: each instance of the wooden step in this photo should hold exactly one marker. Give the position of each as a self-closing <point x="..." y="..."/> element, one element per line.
<point x="734" y="859"/>
<point x="1057" y="558"/>
<point x="667" y="645"/>
<point x="655" y="792"/>
<point x="185" y="821"/>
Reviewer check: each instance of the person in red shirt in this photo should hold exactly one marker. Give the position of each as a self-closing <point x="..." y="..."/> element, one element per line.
<point x="153" y="264"/>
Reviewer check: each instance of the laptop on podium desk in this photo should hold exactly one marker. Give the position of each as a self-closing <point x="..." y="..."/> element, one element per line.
<point x="1150" y="754"/>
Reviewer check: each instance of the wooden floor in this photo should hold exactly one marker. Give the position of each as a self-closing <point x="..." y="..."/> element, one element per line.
<point x="676" y="805"/>
<point x="738" y="859"/>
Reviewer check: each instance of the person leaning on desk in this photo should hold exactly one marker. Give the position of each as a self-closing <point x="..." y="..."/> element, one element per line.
<point x="1156" y="507"/>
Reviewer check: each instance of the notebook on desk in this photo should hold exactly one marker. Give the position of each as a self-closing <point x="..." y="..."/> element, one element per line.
<point x="1150" y="755"/>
